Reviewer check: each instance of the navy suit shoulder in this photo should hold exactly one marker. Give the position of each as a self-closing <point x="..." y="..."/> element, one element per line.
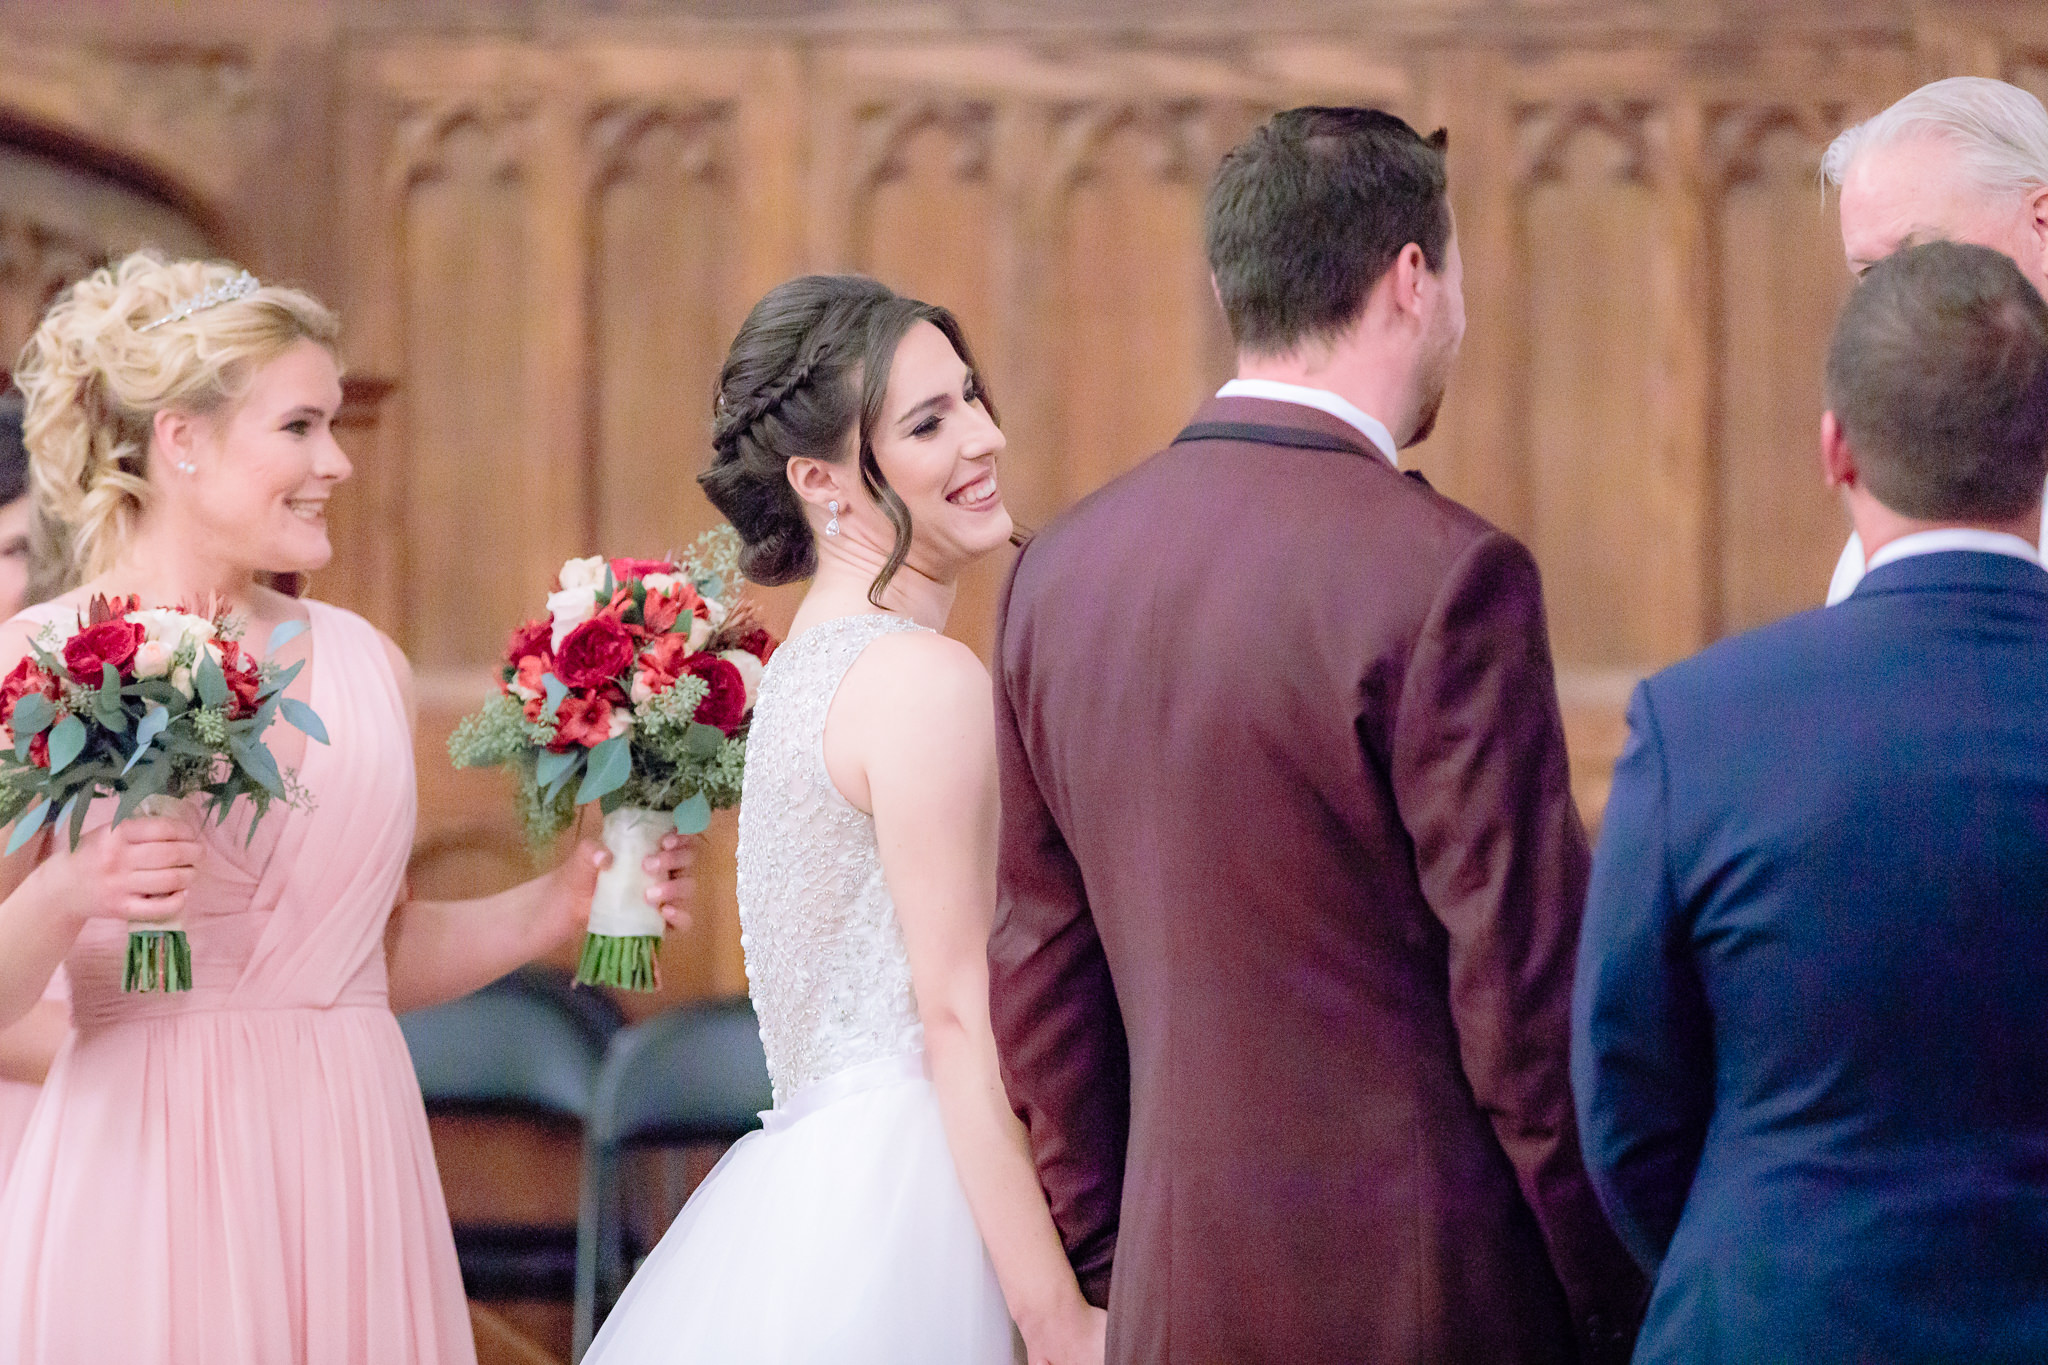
<point x="1808" y="1037"/>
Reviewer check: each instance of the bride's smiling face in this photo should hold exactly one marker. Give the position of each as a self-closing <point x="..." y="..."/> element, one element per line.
<point x="936" y="445"/>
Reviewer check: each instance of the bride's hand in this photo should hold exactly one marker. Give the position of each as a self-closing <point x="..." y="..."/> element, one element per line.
<point x="670" y="866"/>
<point x="1076" y="1339"/>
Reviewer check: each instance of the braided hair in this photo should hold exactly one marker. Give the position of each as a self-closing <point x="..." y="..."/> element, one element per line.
<point x="808" y="370"/>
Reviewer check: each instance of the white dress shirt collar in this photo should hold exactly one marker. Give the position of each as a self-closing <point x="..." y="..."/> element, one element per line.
<point x="1272" y="390"/>
<point x="1954" y="538"/>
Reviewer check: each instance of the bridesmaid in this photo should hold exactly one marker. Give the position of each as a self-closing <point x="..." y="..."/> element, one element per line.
<point x="239" y="1174"/>
<point x="29" y="1045"/>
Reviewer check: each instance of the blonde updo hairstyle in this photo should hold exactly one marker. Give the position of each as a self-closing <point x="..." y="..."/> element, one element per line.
<point x="95" y="380"/>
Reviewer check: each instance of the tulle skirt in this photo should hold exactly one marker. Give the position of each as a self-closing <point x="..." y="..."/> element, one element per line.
<point x="837" y="1235"/>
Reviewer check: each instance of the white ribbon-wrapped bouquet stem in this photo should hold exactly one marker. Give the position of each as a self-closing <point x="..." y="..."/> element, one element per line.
<point x="623" y="947"/>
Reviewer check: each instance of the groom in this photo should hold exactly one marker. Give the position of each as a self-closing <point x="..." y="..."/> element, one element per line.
<point x="1291" y="875"/>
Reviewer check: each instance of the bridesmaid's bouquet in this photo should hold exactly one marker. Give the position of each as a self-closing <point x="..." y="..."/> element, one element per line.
<point x="149" y="705"/>
<point x="634" y="692"/>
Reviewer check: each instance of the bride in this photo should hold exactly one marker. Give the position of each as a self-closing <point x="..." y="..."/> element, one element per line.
<point x="889" y="1212"/>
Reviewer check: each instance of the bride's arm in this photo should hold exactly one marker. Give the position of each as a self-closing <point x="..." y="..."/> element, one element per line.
<point x="439" y="950"/>
<point x="925" y="751"/>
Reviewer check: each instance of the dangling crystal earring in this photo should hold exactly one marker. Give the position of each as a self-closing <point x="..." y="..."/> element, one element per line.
<point x="832" y="526"/>
<point x="184" y="466"/>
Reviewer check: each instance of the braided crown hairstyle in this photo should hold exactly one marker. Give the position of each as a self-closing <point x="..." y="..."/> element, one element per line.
<point x="809" y="368"/>
<point x="95" y="374"/>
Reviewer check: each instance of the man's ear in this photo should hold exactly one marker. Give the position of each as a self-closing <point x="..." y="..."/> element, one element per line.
<point x="1837" y="460"/>
<point x="816" y="482"/>
<point x="2037" y="224"/>
<point x="1411" y="280"/>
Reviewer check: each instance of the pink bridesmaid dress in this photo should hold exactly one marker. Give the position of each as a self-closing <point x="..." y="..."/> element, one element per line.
<point x="18" y="1098"/>
<point x="240" y="1174"/>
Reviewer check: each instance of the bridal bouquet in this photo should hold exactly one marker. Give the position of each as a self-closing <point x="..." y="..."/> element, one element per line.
<point x="150" y="705"/>
<point x="634" y="692"/>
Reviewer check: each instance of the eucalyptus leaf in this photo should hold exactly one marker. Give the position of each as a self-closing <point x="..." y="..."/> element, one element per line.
<point x="703" y="741"/>
<point x="257" y="762"/>
<point x="147" y="781"/>
<point x="556" y="690"/>
<point x="283" y="680"/>
<point x="33" y="714"/>
<point x="211" y="682"/>
<point x="77" y="807"/>
<point x="302" y="717"/>
<point x="694" y="815"/>
<point x="25" y="828"/>
<point x="67" y="741"/>
<point x="146" y="730"/>
<point x="109" y="713"/>
<point x="611" y="763"/>
<point x="284" y="635"/>
<point x="551" y="768"/>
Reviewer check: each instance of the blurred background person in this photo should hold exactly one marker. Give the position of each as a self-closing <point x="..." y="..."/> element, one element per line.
<point x="29" y="1044"/>
<point x="1959" y="160"/>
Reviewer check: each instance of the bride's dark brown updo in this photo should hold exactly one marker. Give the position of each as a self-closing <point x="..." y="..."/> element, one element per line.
<point x="810" y="367"/>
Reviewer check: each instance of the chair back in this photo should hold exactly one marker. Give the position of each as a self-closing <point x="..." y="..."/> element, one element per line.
<point x="694" y="1074"/>
<point x="528" y="1047"/>
<point x="528" y="1044"/>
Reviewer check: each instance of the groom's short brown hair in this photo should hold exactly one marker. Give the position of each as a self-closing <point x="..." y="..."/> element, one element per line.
<point x="1306" y="214"/>
<point x="1938" y="376"/>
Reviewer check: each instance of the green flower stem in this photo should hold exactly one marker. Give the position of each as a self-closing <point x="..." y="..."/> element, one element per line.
<point x="631" y="964"/>
<point x="158" y="960"/>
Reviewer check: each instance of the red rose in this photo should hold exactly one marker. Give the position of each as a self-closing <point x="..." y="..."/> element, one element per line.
<point x="244" y="679"/>
<point x="535" y="639"/>
<point x="110" y="642"/>
<point x="584" y="718"/>
<point x="626" y="570"/>
<point x="595" y="653"/>
<point x="758" y="643"/>
<point x="725" y="704"/>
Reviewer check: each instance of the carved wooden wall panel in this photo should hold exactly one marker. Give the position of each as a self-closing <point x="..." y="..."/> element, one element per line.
<point x="1598" y="524"/>
<point x="1780" y="281"/>
<point x="663" y="308"/>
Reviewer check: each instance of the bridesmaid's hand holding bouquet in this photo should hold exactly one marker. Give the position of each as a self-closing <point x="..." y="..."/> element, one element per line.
<point x="150" y="706"/>
<point x="634" y="692"/>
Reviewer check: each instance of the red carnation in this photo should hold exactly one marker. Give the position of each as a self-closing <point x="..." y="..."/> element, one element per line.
<point x="595" y="653"/>
<point x="535" y="639"/>
<point x="583" y="718"/>
<point x="626" y="570"/>
<point x="758" y="643"/>
<point x="725" y="703"/>
<point x="110" y="642"/>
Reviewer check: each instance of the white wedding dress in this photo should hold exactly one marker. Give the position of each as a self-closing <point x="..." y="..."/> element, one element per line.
<point x="838" y="1235"/>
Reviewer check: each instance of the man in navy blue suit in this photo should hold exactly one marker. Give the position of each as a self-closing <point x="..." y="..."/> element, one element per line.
<point x="1810" y="1026"/>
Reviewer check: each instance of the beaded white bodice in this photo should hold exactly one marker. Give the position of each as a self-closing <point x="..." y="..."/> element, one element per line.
<point x="826" y="964"/>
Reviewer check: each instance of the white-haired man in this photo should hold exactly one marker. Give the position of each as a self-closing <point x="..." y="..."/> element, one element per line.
<point x="1961" y="160"/>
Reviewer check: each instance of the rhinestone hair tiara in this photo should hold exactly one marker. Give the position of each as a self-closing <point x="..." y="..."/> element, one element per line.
<point x="240" y="287"/>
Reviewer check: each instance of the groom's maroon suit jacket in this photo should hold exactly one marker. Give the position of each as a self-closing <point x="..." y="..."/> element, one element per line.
<point x="1291" y="884"/>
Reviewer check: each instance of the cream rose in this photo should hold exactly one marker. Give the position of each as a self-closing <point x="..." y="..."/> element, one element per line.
<point x="570" y="608"/>
<point x="588" y="574"/>
<point x="153" y="658"/>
